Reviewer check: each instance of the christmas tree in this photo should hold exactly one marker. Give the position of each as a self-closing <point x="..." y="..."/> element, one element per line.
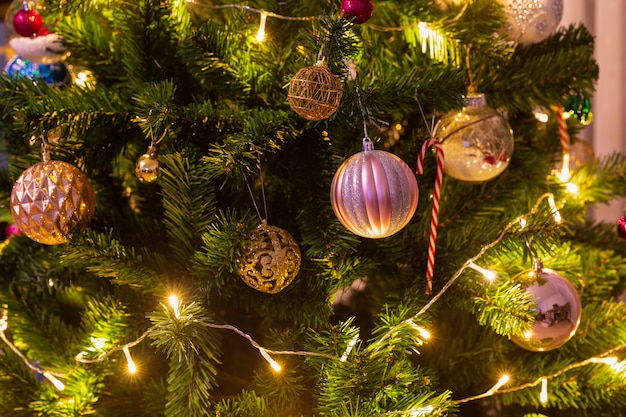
<point x="306" y="208"/>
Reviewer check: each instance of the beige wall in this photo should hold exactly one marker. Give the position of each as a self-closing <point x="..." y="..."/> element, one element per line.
<point x="606" y="19"/>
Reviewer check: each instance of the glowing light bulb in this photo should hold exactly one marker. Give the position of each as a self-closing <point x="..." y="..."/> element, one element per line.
<point x="349" y="348"/>
<point x="541" y="116"/>
<point x="132" y="368"/>
<point x="174" y="302"/>
<point x="419" y="412"/>
<point x="260" y="35"/>
<point x="503" y="380"/>
<point x="425" y="334"/>
<point x="555" y="210"/>
<point x="98" y="342"/>
<point x="58" y="384"/>
<point x="522" y="223"/>
<point x="571" y="188"/>
<point x="543" y="396"/>
<point x="564" y="174"/>
<point x="489" y="275"/>
<point x="269" y="360"/>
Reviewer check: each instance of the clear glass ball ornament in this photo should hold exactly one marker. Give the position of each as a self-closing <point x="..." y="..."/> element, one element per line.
<point x="477" y="141"/>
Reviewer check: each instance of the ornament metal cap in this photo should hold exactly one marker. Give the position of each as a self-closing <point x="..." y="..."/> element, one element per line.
<point x="538" y="266"/>
<point x="475" y="100"/>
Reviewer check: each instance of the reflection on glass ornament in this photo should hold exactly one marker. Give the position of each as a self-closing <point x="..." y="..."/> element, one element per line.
<point x="55" y="75"/>
<point x="531" y="21"/>
<point x="477" y="141"/>
<point x="374" y="193"/>
<point x="558" y="312"/>
<point x="29" y="37"/>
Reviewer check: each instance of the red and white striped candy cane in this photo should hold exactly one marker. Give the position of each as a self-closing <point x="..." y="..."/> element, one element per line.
<point x="565" y="142"/>
<point x="434" y="219"/>
<point x="563" y="135"/>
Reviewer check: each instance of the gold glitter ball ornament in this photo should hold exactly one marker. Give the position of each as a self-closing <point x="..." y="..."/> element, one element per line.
<point x="315" y="92"/>
<point x="147" y="166"/>
<point x="270" y="261"/>
<point x="50" y="200"/>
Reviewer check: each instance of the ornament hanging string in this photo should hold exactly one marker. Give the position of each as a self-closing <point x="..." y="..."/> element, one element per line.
<point x="434" y="218"/>
<point x="256" y="207"/>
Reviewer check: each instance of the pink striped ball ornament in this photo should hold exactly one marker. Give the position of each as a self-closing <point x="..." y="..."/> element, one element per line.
<point x="374" y="193"/>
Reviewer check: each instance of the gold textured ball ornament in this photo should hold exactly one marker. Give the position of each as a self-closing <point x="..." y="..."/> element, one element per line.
<point x="270" y="261"/>
<point x="147" y="166"/>
<point x="315" y="92"/>
<point x="374" y="193"/>
<point x="50" y="200"/>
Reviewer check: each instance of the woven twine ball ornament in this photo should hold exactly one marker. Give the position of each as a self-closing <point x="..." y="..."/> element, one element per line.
<point x="50" y="200"/>
<point x="270" y="261"/>
<point x="315" y="92"/>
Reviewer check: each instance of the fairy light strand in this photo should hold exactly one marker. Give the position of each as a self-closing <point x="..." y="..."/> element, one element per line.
<point x="603" y="358"/>
<point x="515" y="222"/>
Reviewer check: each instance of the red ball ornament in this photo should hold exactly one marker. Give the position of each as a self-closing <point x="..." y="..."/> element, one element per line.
<point x="374" y="193"/>
<point x="27" y="22"/>
<point x="621" y="227"/>
<point x="360" y="10"/>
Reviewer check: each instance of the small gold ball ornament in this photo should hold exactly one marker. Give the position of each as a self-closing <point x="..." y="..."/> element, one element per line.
<point x="270" y="261"/>
<point x="50" y="200"/>
<point x="315" y="92"/>
<point x="147" y="166"/>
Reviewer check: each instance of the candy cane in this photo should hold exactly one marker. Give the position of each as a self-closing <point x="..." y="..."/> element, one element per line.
<point x="565" y="142"/>
<point x="563" y="135"/>
<point x="434" y="220"/>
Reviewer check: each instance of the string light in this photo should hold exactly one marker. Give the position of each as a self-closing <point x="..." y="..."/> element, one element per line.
<point x="489" y="275"/>
<point x="269" y="359"/>
<point x="55" y="381"/>
<point x="349" y="348"/>
<point x="175" y="304"/>
<point x="132" y="368"/>
<point x="564" y="174"/>
<point x="555" y="210"/>
<point x="501" y="382"/>
<point x="543" y="396"/>
<point x="260" y="35"/>
<point x="425" y="334"/>
<point x="522" y="223"/>
<point x="98" y="343"/>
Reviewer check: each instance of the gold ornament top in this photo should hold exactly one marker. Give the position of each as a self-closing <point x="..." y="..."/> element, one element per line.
<point x="270" y="261"/>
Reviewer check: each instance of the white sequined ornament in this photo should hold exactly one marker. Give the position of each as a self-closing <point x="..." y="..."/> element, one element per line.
<point x="531" y="21"/>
